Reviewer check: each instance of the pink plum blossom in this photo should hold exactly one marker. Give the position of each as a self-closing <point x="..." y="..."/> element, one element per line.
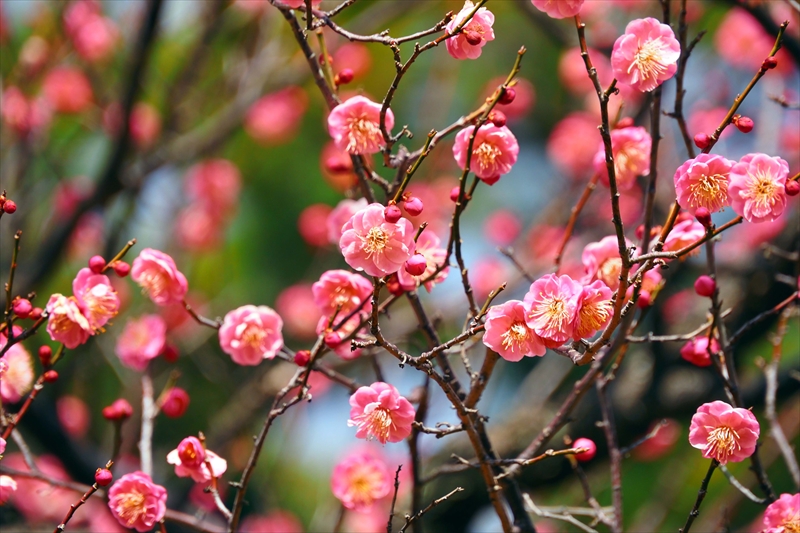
<point x="372" y="244"/>
<point x="559" y="9"/>
<point x="191" y="459"/>
<point x="145" y="124"/>
<point x="631" y="150"/>
<point x="2" y="445"/>
<point x="136" y="502"/>
<point x="68" y="90"/>
<point x="312" y="224"/>
<point x="572" y="71"/>
<point x="95" y="38"/>
<point x="197" y="229"/>
<point x="474" y="35"/>
<point x="683" y="234"/>
<point x="783" y="515"/>
<point x="355" y="56"/>
<point x="24" y="115"/>
<point x="361" y="479"/>
<point x="494" y="151"/>
<point x="696" y="351"/>
<point x="646" y="55"/>
<point x="703" y="182"/>
<point x="96" y="297"/>
<point x="355" y="126"/>
<point x="379" y="412"/>
<point x="66" y="323"/>
<point x="502" y="227"/>
<point x="157" y="274"/>
<point x="435" y="256"/>
<point x="337" y="168"/>
<point x="741" y="40"/>
<point x="342" y="291"/>
<point x="275" y="118"/>
<point x="16" y="372"/>
<point x="73" y="415"/>
<point x="296" y="306"/>
<point x="508" y="334"/>
<point x="36" y="500"/>
<point x="723" y="432"/>
<point x="7" y="487"/>
<point x="337" y="218"/>
<point x="757" y="188"/>
<point x="214" y="184"/>
<point x="552" y="303"/>
<point x="594" y="309"/>
<point x="572" y="144"/>
<point x="601" y="261"/>
<point x="142" y="340"/>
<point x="251" y="334"/>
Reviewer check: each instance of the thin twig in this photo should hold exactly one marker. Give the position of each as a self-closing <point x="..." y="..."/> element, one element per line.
<point x="394" y="498"/>
<point x="411" y="519"/>
<point x="701" y="494"/>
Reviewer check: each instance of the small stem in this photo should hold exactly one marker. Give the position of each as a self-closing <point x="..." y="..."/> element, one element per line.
<point x="701" y="494"/>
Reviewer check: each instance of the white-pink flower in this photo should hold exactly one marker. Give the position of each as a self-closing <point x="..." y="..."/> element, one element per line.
<point x="703" y="182"/>
<point x="191" y="459"/>
<point x="66" y="323"/>
<point x="355" y="126"/>
<point x="361" y="479"/>
<point x="337" y="218"/>
<point x="379" y="412"/>
<point x="372" y="244"/>
<point x="758" y="187"/>
<point x="7" y="487"/>
<point x="494" y="151"/>
<point x="435" y="256"/>
<point x="136" y="502"/>
<point x="142" y="340"/>
<point x="552" y="303"/>
<point x="631" y="150"/>
<point x="559" y="9"/>
<point x="508" y="334"/>
<point x="646" y="55"/>
<point x="474" y="35"/>
<point x="594" y="310"/>
<point x="157" y="274"/>
<point x="251" y="334"/>
<point x="96" y="297"/>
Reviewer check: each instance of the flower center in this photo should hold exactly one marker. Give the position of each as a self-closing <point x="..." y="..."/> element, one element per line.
<point x="721" y="443"/>
<point x="486" y="154"/>
<point x="593" y="315"/>
<point x="153" y="283"/>
<point x="376" y="240"/>
<point x="710" y="191"/>
<point x="253" y="336"/>
<point x="362" y="485"/>
<point x="609" y="271"/>
<point x="130" y="507"/>
<point x="627" y="159"/>
<point x="648" y="60"/>
<point x="792" y="525"/>
<point x="100" y="301"/>
<point x="515" y="337"/>
<point x="552" y="313"/>
<point x="762" y="191"/>
<point x="378" y="423"/>
<point x="361" y="133"/>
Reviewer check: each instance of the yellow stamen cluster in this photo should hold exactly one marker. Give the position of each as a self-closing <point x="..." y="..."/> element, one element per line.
<point x="722" y="442"/>
<point x="710" y="191"/>
<point x="361" y="133"/>
<point x="130" y="507"/>
<point x="375" y="241"/>
<point x="516" y="336"/>
<point x="648" y="60"/>
<point x="486" y="154"/>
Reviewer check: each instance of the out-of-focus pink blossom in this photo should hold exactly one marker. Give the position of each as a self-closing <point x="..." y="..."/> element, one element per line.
<point x="198" y="229"/>
<point x="631" y="150"/>
<point x="191" y="459"/>
<point x="157" y="274"/>
<point x="66" y="323"/>
<point x="559" y="9"/>
<point x="474" y="35"/>
<point x="145" y="124"/>
<point x="646" y="55"/>
<point x="683" y="234"/>
<point x="703" y="182"/>
<point x="572" y="71"/>
<point x="783" y="515"/>
<point x="276" y="117"/>
<point x="87" y="238"/>
<point x="273" y="522"/>
<point x="524" y="97"/>
<point x="93" y="35"/>
<point x="741" y="40"/>
<point x="39" y="501"/>
<point x="487" y="275"/>
<point x="337" y="168"/>
<point x="214" y="184"/>
<point x="572" y="144"/>
<point x="96" y="297"/>
<point x="379" y="412"/>
<point x="435" y="256"/>
<point x="16" y="372"/>
<point x="343" y="291"/>
<point x="337" y="218"/>
<point x="707" y="121"/>
<point x="757" y="187"/>
<point x="354" y="56"/>
<point x="601" y="261"/>
<point x="360" y="480"/>
<point x="7" y="488"/>
<point x="136" y="502"/>
<point x="313" y="224"/>
<point x="21" y="114"/>
<point x="696" y="351"/>
<point x="300" y="4"/>
<point x="661" y="443"/>
<point x="77" y="14"/>
<point x="594" y="309"/>
<point x="494" y="151"/>
<point x="355" y="126"/>
<point x="552" y="303"/>
<point x="295" y="304"/>
<point x="372" y="244"/>
<point x="175" y="403"/>
<point x="724" y="433"/>
<point x="251" y="334"/>
<point x="502" y="227"/>
<point x="74" y="416"/>
<point x="508" y="334"/>
<point x="67" y="89"/>
<point x="142" y="340"/>
<point x="2" y="445"/>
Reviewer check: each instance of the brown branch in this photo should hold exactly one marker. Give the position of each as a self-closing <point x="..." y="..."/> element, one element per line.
<point x="74" y="507"/>
<point x="411" y="519"/>
<point x="614" y="453"/>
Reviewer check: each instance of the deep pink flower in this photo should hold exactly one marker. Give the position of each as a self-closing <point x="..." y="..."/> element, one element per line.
<point x="7" y="487"/>
<point x="136" y="502"/>
<point x="300" y="4"/>
<point x="646" y="55"/>
<point x="601" y="261"/>
<point x="343" y="291"/>
<point x="379" y="412"/>
<point x="683" y="234"/>
<point x="783" y="515"/>
<point x="435" y="256"/>
<point x="361" y="479"/>
<point x="16" y="372"/>
<point x="474" y="35"/>
<point x="696" y="350"/>
<point x="67" y="89"/>
<point x="96" y="297"/>
<point x="372" y="244"/>
<point x="703" y="182"/>
<point x="494" y="151"/>
<point x="723" y="432"/>
<point x="251" y="334"/>
<point x="296" y="306"/>
<point x="275" y="118"/>
<point x="66" y="323"/>
<point x="572" y="144"/>
<point x="337" y="218"/>
<point x="758" y="187"/>
<point x="552" y="303"/>
<point x="509" y="335"/>
<point x="559" y="9"/>
<point x="594" y="309"/>
<point x="215" y="184"/>
<point x="192" y="460"/>
<point x="36" y="500"/>
<point x="355" y="125"/>
<point x="631" y="150"/>
<point x="142" y="339"/>
<point x="157" y="274"/>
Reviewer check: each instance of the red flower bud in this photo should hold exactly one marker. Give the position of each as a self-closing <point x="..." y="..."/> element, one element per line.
<point x="413" y="206"/>
<point x="770" y="63"/>
<point x="9" y="206"/>
<point x="36" y="313"/>
<point x="507" y="97"/>
<point x="97" y="264"/>
<point x="393" y="284"/>
<point x="344" y="77"/>
<point x="745" y="124"/>
<point x="118" y="411"/>
<point x="589" y="454"/>
<point x="705" y="286"/>
<point x="122" y="268"/>
<point x="498" y="118"/>
<point x="170" y="353"/>
<point x="454" y="193"/>
<point x="792" y="188"/>
<point x="103" y="477"/>
<point x="416" y="265"/>
<point x="332" y="339"/>
<point x="703" y="216"/>
<point x="45" y="355"/>
<point x="51" y="376"/>
<point x="175" y="402"/>
<point x="22" y="307"/>
<point x="392" y="213"/>
<point x="644" y="300"/>
<point x="302" y="357"/>
<point x="701" y="140"/>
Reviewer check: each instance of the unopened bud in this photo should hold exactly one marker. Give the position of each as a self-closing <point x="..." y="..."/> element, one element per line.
<point x="50" y="376"/>
<point x="45" y="355"/>
<point x="103" y="477"/>
<point x="332" y="339"/>
<point x="22" y="307"/>
<point x="392" y="213"/>
<point x="121" y="268"/>
<point x="393" y="285"/>
<point x="454" y="192"/>
<point x="175" y="403"/>
<point x="118" y="411"/>
<point x="770" y="63"/>
<point x="507" y="97"/>
<point x="9" y="206"/>
<point x="416" y="265"/>
<point x="498" y="118"/>
<point x="97" y="264"/>
<point x="589" y="454"/>
<point x="703" y="216"/>
<point x="705" y="286"/>
<point x="792" y="188"/>
<point x="302" y="357"/>
<point x="344" y="77"/>
<point x="170" y="353"/>
<point x="644" y="300"/>
<point x="36" y="313"/>
<point x="744" y="124"/>
<point x="413" y="206"/>
<point x="701" y="140"/>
